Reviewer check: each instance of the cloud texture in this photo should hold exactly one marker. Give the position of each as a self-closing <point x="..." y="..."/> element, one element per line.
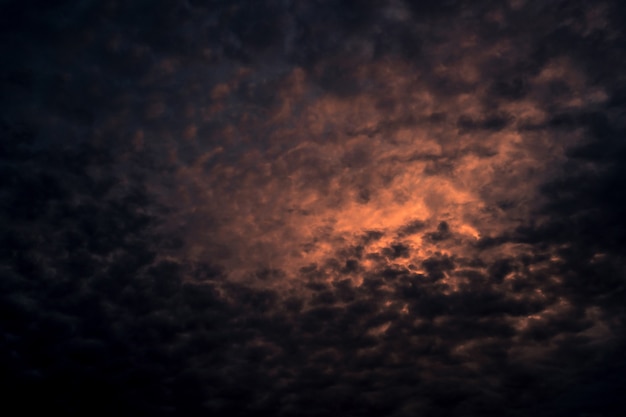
<point x="313" y="208"/>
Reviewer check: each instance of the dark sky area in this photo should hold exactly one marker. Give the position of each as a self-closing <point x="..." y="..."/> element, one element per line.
<point x="313" y="208"/>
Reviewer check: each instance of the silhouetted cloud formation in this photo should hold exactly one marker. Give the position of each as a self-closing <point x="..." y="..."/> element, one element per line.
<point x="313" y="208"/>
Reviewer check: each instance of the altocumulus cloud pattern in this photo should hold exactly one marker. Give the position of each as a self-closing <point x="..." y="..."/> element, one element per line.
<point x="313" y="208"/>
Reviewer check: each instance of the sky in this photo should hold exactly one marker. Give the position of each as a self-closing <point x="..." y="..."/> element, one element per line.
<point x="313" y="208"/>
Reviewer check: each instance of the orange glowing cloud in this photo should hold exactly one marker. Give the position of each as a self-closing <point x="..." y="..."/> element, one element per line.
<point x="322" y="170"/>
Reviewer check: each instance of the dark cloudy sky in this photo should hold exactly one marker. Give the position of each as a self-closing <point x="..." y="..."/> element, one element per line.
<point x="313" y="208"/>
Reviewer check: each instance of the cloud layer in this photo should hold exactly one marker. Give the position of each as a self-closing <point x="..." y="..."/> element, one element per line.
<point x="313" y="208"/>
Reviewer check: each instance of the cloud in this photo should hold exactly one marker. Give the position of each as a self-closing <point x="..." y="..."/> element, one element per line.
<point x="294" y="208"/>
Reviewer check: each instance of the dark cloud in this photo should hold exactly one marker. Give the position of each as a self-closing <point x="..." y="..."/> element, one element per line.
<point x="312" y="208"/>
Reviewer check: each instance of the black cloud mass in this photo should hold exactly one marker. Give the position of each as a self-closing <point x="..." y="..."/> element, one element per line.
<point x="313" y="208"/>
